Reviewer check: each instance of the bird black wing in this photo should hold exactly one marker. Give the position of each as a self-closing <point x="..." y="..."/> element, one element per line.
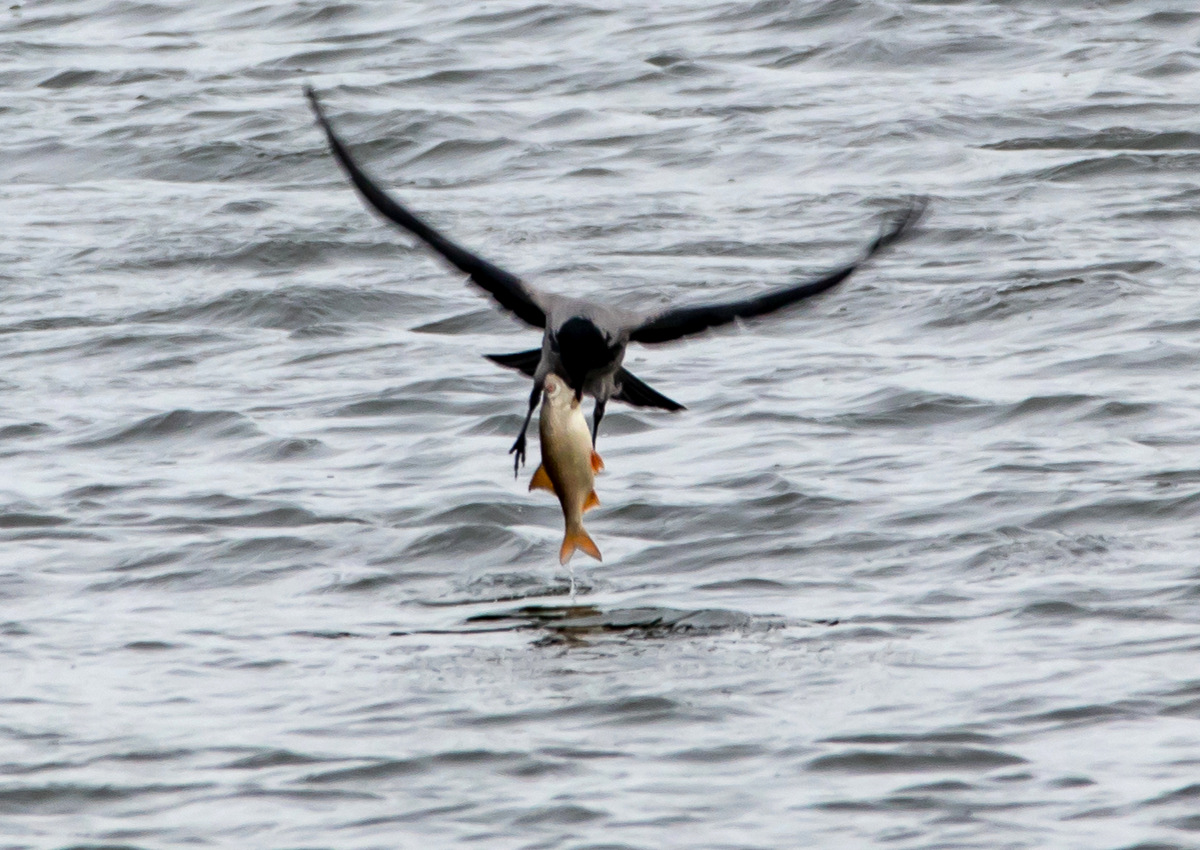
<point x="523" y="361"/>
<point x="507" y="289"/>
<point x="633" y="390"/>
<point x="639" y="394"/>
<point x="682" y="321"/>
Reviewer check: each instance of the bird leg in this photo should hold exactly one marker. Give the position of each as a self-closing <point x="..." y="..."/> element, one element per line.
<point x="518" y="448"/>
<point x="597" y="415"/>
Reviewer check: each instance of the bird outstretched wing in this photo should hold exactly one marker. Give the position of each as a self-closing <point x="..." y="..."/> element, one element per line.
<point x="508" y="289"/>
<point x="673" y="323"/>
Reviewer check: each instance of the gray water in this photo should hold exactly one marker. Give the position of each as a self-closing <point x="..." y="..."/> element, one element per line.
<point x="917" y="568"/>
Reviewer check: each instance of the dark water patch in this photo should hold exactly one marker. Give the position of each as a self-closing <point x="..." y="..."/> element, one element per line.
<point x="21" y="519"/>
<point x="1124" y="165"/>
<point x="202" y="425"/>
<point x="1124" y="410"/>
<point x="1187" y="794"/>
<point x="1169" y="18"/>
<point x="945" y="786"/>
<point x="195" y="565"/>
<point x="54" y="323"/>
<point x="123" y="341"/>
<point x="884" y="738"/>
<point x="323" y="58"/>
<point x="1159" y="356"/>
<point x="291" y="308"/>
<point x="268" y="758"/>
<point x="397" y="406"/>
<point x="433" y="813"/>
<point x="1191" y="823"/>
<point x="905" y="408"/>
<point x="506" y="424"/>
<point x="140" y="561"/>
<point x="473" y="322"/>
<point x="285" y="516"/>
<point x="322" y="331"/>
<point x="1064" y="612"/>
<point x="164" y="364"/>
<point x="228" y="161"/>
<point x="592" y="172"/>
<point x="888" y="54"/>
<point x="69" y="79"/>
<point x="178" y="579"/>
<point x="1081" y="715"/>
<point x="503" y="763"/>
<point x="150" y="646"/>
<point x="456" y="152"/>
<point x="527" y="19"/>
<point x="1129" y="509"/>
<point x="152" y="755"/>
<point x="576" y="754"/>
<point x="670" y="522"/>
<point x="563" y="815"/>
<point x="281" y="450"/>
<point x="267" y="259"/>
<point x="915" y="760"/>
<point x="482" y="513"/>
<point x="1071" y="782"/>
<point x="467" y="541"/>
<point x="448" y="385"/>
<point x="1109" y="138"/>
<point x="622" y="711"/>
<point x="1182" y="702"/>
<point x="749" y="585"/>
<point x="581" y="621"/>
<point x="72" y="798"/>
<point x="317" y="13"/>
<point x="353" y="353"/>
<point x="1020" y="549"/>
<point x="305" y="795"/>
<point x="377" y="581"/>
<point x="245" y="207"/>
<point x="721" y="754"/>
<point x="24" y="431"/>
<point x="1039" y="406"/>
<point x="511" y="587"/>
<point x="621" y="424"/>
<point x="260" y="549"/>
<point x="790" y="510"/>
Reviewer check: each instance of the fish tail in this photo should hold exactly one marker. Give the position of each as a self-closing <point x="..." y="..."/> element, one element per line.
<point x="577" y="538"/>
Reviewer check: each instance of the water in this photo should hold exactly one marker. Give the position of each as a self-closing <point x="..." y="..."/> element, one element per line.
<point x="917" y="567"/>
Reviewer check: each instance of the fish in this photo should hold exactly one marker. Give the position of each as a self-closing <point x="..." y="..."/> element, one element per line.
<point x="569" y="465"/>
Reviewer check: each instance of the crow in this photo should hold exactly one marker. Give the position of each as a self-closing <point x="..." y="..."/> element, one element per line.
<point x="584" y="342"/>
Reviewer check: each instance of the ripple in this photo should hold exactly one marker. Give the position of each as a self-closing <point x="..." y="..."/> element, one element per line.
<point x="290" y="308"/>
<point x="196" y="425"/>
<point x="932" y="759"/>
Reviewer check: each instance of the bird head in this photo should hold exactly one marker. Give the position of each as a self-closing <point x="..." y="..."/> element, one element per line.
<point x="582" y="349"/>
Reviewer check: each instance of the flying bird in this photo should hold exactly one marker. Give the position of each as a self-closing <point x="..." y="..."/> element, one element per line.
<point x="583" y="341"/>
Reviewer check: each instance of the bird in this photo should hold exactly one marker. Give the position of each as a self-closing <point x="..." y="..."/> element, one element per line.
<point x="584" y="341"/>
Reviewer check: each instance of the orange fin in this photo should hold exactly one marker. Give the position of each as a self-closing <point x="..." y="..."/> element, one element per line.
<point x="541" y="481"/>
<point x="597" y="462"/>
<point x="591" y="501"/>
<point x="578" y="539"/>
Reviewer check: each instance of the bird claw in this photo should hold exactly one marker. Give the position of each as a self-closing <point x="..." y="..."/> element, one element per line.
<point x="518" y="448"/>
